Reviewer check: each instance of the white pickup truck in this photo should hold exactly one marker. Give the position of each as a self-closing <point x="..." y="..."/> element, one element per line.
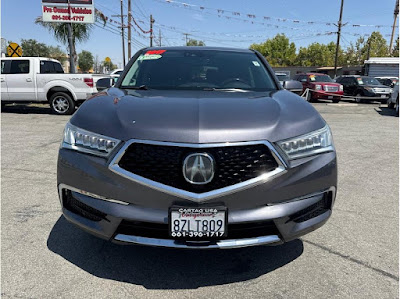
<point x="37" y="79"/>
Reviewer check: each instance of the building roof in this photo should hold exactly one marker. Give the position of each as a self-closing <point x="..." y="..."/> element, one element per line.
<point x="382" y="60"/>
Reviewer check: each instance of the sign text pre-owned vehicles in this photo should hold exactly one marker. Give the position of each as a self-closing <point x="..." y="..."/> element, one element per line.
<point x="36" y="79"/>
<point x="197" y="147"/>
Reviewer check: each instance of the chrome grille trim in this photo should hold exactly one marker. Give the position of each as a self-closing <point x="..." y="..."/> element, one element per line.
<point x="198" y="197"/>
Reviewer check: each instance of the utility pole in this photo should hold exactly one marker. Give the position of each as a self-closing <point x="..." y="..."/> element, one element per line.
<point x="71" y="56"/>
<point x="151" y="30"/>
<point x="396" y="12"/>
<point x="339" y="25"/>
<point x="122" y="30"/>
<point x="159" y="37"/>
<point x="70" y="42"/>
<point x="129" y="29"/>
<point x="186" y="38"/>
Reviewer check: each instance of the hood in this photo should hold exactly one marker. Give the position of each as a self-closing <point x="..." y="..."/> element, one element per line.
<point x="197" y="116"/>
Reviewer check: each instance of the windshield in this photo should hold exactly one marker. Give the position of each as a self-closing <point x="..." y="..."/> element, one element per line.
<point x="320" y="78"/>
<point x="198" y="70"/>
<point x="282" y="77"/>
<point x="368" y="81"/>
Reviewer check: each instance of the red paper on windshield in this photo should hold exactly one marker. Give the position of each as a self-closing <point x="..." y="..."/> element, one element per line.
<point x="155" y="52"/>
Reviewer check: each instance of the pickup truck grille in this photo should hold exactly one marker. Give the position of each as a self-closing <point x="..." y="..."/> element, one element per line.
<point x="331" y="88"/>
<point x="164" y="164"/>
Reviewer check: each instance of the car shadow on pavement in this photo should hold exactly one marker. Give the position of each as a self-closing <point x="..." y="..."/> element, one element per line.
<point x="164" y="268"/>
<point x="26" y="109"/>
<point x="386" y="111"/>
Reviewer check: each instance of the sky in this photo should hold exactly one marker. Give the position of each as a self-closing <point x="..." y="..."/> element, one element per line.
<point x="234" y="23"/>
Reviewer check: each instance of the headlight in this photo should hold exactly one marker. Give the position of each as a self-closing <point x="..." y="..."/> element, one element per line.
<point x="318" y="87"/>
<point x="370" y="89"/>
<point x="316" y="142"/>
<point x="88" y="142"/>
<point x="341" y="87"/>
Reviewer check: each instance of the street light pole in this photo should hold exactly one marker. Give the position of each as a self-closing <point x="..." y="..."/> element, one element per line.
<point x="339" y="25"/>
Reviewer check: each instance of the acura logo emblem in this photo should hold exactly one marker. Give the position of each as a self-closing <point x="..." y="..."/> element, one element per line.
<point x="198" y="169"/>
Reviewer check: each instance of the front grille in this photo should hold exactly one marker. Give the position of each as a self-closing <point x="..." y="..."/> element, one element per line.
<point x="75" y="206"/>
<point x="163" y="164"/>
<point x="331" y="88"/>
<point x="160" y="231"/>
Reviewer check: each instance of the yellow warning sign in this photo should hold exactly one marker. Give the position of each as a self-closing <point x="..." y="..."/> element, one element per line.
<point x="14" y="50"/>
<point x="108" y="59"/>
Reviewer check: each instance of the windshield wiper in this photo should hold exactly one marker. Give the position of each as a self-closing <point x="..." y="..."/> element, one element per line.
<point x="226" y="89"/>
<point x="141" y="87"/>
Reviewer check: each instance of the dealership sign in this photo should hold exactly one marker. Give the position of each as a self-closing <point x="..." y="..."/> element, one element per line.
<point x="68" y="11"/>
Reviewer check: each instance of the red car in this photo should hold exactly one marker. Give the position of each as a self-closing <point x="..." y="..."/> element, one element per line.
<point x="321" y="87"/>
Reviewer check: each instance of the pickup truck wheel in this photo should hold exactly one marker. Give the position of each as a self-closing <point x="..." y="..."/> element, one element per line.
<point x="309" y="96"/>
<point x="61" y="103"/>
<point x="397" y="107"/>
<point x="391" y="105"/>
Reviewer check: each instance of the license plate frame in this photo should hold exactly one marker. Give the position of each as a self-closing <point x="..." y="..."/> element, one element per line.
<point x="330" y="97"/>
<point x="383" y="96"/>
<point x="220" y="212"/>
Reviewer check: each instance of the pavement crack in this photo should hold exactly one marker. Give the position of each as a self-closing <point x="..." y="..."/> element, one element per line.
<point x="349" y="258"/>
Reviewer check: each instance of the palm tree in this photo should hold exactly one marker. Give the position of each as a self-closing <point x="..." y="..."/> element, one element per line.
<point x="80" y="32"/>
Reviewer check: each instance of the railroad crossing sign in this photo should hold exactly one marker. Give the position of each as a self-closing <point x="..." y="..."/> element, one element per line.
<point x="14" y="50"/>
<point x="108" y="59"/>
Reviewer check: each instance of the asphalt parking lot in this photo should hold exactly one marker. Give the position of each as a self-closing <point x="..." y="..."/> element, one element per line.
<point x="355" y="255"/>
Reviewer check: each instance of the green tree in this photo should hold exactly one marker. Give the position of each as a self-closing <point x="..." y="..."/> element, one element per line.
<point x="395" y="52"/>
<point x="194" y="42"/>
<point x="109" y="65"/>
<point x="32" y="48"/>
<point x="86" y="61"/>
<point x="57" y="53"/>
<point x="278" y="50"/>
<point x="80" y="32"/>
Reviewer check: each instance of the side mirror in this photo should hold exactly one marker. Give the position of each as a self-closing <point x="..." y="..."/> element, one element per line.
<point x="104" y="83"/>
<point x="293" y="86"/>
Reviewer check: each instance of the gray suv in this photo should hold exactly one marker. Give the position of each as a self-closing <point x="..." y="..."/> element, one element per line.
<point x="197" y="147"/>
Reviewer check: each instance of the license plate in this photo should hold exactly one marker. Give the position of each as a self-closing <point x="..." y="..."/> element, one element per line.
<point x="383" y="96"/>
<point x="330" y="97"/>
<point x="197" y="223"/>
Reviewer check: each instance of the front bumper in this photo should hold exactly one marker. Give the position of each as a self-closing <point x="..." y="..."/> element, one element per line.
<point x="282" y="209"/>
<point x="322" y="94"/>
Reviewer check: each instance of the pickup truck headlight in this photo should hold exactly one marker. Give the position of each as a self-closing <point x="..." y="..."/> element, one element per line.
<point x="318" y="87"/>
<point x="88" y="142"/>
<point x="316" y="142"/>
<point x="341" y="88"/>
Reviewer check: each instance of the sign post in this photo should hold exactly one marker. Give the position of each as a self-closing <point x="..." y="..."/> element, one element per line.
<point x="69" y="11"/>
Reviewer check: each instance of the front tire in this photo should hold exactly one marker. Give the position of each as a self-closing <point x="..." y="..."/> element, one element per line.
<point x="61" y="103"/>
<point x="391" y="105"/>
<point x="335" y="101"/>
<point x="397" y="107"/>
<point x="358" y="98"/>
<point x="309" y="96"/>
